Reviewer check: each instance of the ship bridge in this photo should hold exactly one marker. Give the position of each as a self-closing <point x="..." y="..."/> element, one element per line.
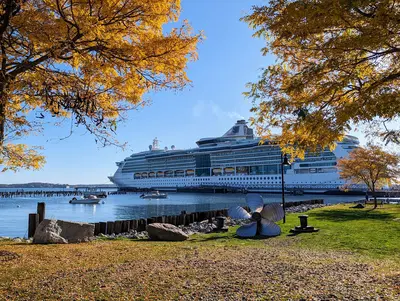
<point x="240" y="131"/>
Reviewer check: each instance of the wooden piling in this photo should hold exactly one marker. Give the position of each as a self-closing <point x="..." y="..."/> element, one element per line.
<point x="125" y="226"/>
<point x="142" y="223"/>
<point x="187" y="220"/>
<point x="110" y="228"/>
<point x="96" y="229"/>
<point x="32" y="224"/>
<point x="118" y="227"/>
<point x="41" y="210"/>
<point x="103" y="228"/>
<point x="134" y="224"/>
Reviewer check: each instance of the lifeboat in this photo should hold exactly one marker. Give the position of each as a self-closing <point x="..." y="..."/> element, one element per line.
<point x="152" y="174"/>
<point x="169" y="173"/>
<point x="137" y="175"/>
<point x="160" y="174"/>
<point x="179" y="173"/>
<point x="190" y="172"/>
<point x="144" y="174"/>
<point x="217" y="171"/>
<point x="229" y="170"/>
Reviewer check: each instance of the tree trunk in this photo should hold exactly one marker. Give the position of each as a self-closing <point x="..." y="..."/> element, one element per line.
<point x="3" y="102"/>
<point x="374" y="195"/>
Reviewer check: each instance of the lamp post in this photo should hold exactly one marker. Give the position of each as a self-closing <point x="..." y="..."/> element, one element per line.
<point x="284" y="162"/>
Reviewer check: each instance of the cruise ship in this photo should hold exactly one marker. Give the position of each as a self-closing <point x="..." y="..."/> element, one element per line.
<point x="236" y="160"/>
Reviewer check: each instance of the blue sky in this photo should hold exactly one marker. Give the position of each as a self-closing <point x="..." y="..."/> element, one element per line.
<point x="228" y="58"/>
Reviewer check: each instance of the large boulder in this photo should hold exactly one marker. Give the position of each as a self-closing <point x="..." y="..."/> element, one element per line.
<point x="51" y="231"/>
<point x="158" y="231"/>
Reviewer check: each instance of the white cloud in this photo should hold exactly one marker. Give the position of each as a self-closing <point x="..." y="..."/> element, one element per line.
<point x="204" y="107"/>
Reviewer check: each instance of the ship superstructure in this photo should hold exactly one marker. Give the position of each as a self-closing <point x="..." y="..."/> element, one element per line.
<point x="234" y="160"/>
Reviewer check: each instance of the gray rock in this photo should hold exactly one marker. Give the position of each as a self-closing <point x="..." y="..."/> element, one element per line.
<point x="62" y="232"/>
<point x="158" y="231"/>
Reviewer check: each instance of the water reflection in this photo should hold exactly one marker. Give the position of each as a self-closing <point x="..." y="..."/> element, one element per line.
<point x="136" y="212"/>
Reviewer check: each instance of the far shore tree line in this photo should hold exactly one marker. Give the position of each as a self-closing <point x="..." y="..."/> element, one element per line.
<point x="89" y="62"/>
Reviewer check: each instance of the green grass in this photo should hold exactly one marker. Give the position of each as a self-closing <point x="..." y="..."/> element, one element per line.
<point x="374" y="233"/>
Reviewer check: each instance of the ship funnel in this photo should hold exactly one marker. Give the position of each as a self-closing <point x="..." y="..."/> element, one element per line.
<point x="173" y="147"/>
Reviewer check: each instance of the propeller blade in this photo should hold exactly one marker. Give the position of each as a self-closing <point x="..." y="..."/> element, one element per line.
<point x="272" y="212"/>
<point x="269" y="228"/>
<point x="238" y="213"/>
<point x="255" y="202"/>
<point x="248" y="230"/>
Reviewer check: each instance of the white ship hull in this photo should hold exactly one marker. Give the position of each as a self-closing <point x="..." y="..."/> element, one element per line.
<point x="323" y="182"/>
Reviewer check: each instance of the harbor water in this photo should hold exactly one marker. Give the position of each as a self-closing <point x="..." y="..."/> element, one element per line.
<point x="14" y="211"/>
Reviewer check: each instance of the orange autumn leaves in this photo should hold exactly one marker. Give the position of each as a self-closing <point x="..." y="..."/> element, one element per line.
<point x="338" y="64"/>
<point x="88" y="60"/>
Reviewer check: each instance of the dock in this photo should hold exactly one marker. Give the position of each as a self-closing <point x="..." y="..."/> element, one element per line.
<point x="39" y="193"/>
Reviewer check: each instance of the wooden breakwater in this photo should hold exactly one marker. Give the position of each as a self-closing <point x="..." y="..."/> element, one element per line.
<point x="183" y="219"/>
<point x="39" y="193"/>
<point x="123" y="226"/>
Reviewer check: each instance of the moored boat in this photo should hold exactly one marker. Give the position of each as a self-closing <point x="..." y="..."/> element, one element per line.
<point x="154" y="195"/>
<point x="92" y="199"/>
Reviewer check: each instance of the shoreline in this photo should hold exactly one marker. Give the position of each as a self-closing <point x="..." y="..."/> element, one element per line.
<point x="192" y="228"/>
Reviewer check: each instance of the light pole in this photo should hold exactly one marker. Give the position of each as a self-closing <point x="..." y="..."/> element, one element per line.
<point x="284" y="162"/>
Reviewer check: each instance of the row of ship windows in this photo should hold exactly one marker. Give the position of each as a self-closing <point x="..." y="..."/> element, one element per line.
<point x="277" y="156"/>
<point x="239" y="158"/>
<point x="244" y="184"/>
<point x="239" y="154"/>
<point x="191" y="179"/>
<point x="261" y="149"/>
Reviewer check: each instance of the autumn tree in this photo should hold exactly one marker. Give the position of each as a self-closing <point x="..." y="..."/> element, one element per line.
<point x="88" y="61"/>
<point x="337" y="64"/>
<point x="371" y="166"/>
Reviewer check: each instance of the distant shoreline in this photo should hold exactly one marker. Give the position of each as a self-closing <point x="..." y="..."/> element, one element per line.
<point x="51" y="185"/>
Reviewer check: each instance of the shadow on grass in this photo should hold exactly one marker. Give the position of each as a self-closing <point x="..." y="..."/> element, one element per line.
<point x="230" y="237"/>
<point x="208" y="238"/>
<point x="351" y="215"/>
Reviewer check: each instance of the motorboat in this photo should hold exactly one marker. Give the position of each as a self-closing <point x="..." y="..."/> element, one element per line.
<point x="154" y="195"/>
<point x="91" y="199"/>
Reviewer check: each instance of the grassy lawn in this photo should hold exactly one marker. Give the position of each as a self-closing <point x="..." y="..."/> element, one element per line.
<point x="356" y="254"/>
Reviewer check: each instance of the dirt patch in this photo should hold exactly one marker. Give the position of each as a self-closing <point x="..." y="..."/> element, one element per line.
<point x="7" y="256"/>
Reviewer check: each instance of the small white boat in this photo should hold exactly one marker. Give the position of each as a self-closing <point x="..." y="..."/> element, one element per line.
<point x="154" y="195"/>
<point x="91" y="199"/>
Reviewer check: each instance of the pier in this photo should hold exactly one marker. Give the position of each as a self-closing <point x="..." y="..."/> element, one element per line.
<point x="39" y="193"/>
